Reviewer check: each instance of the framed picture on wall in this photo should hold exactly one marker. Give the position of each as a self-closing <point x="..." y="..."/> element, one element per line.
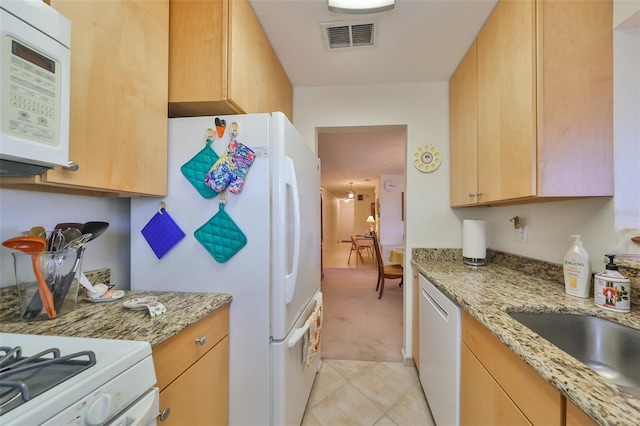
<point x="373" y="209"/>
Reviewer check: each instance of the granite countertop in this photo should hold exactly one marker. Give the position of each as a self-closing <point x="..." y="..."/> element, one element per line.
<point x="489" y="292"/>
<point x="111" y="320"/>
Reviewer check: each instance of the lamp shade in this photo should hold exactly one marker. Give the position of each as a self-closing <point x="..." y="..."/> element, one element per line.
<point x="360" y="6"/>
<point x="370" y="219"/>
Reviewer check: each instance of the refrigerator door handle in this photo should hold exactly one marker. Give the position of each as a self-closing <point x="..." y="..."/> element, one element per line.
<point x="298" y="335"/>
<point x="290" y="180"/>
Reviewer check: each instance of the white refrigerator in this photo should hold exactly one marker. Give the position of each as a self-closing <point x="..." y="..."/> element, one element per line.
<point x="274" y="279"/>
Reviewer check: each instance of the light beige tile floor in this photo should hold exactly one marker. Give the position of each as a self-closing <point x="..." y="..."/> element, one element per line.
<point x="366" y="393"/>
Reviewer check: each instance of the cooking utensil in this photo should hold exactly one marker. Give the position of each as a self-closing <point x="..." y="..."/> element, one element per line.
<point x="69" y="235"/>
<point x="60" y="292"/>
<point x="67" y="225"/>
<point x="34" y="246"/>
<point x="37" y="231"/>
<point x="54" y="239"/>
<point x="95" y="228"/>
<point x="78" y="241"/>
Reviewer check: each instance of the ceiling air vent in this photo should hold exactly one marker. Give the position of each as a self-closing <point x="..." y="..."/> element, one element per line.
<point x="343" y="34"/>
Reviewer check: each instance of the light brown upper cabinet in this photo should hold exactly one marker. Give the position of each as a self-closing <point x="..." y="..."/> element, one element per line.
<point x="221" y="62"/>
<point x="463" y="135"/>
<point x="118" y="111"/>
<point x="544" y="105"/>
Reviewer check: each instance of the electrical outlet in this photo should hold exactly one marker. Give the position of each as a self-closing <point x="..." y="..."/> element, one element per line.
<point x="521" y="235"/>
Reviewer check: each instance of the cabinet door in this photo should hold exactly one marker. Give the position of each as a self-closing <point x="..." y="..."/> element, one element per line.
<point x="463" y="130"/>
<point x="535" y="397"/>
<point x="198" y="58"/>
<point x="506" y="103"/>
<point x="281" y="90"/>
<point x="482" y="400"/>
<point x="200" y="395"/>
<point x="118" y="125"/>
<point x="577" y="417"/>
<point x="250" y="71"/>
<point x="575" y="98"/>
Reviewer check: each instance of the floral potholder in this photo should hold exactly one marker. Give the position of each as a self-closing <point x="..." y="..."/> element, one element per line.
<point x="196" y="169"/>
<point x="221" y="236"/>
<point x="162" y="233"/>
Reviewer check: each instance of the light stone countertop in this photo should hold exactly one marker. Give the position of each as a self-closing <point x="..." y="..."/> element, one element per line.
<point x="111" y="320"/>
<point x="489" y="292"/>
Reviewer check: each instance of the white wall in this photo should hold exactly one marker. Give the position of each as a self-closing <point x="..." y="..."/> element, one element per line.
<point x="20" y="210"/>
<point x="391" y="223"/>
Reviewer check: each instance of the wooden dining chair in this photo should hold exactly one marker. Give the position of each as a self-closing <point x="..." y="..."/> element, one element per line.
<point x="385" y="271"/>
<point x="358" y="249"/>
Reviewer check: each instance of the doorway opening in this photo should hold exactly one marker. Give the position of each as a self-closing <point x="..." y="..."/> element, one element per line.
<point x="362" y="159"/>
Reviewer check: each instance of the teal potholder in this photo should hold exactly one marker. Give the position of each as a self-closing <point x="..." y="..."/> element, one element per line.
<point x="221" y="236"/>
<point x="196" y="169"/>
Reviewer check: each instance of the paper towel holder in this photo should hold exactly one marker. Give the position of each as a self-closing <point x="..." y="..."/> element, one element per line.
<point x="472" y="261"/>
<point x="473" y="244"/>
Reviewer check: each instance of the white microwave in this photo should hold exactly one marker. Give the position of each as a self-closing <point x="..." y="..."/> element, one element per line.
<point x="35" y="64"/>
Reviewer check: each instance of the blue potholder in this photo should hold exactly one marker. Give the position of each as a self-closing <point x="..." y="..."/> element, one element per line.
<point x="162" y="233"/>
<point x="196" y="169"/>
<point x="221" y="236"/>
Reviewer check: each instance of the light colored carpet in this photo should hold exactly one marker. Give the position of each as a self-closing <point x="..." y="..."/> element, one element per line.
<point x="358" y="326"/>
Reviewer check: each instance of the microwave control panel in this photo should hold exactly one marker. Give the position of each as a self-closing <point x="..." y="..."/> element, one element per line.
<point x="32" y="87"/>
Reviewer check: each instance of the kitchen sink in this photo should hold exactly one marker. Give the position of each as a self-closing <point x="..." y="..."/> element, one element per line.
<point x="610" y="349"/>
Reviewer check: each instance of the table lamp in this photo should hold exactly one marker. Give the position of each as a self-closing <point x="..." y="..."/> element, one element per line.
<point x="371" y="221"/>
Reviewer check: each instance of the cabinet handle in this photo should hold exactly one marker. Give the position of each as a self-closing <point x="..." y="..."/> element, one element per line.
<point x="201" y="340"/>
<point x="479" y="194"/>
<point x="471" y="195"/>
<point x="164" y="414"/>
<point x="72" y="166"/>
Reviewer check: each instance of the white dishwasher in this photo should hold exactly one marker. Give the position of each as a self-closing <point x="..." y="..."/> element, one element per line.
<point x="440" y="353"/>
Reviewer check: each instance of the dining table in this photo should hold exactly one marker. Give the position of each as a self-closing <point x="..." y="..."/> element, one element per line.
<point x="396" y="255"/>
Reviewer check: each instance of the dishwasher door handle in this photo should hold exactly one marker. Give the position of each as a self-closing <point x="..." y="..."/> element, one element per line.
<point x="436" y="306"/>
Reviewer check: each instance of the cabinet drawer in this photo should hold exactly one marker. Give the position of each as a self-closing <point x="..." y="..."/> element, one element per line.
<point x="172" y="357"/>
<point x="538" y="400"/>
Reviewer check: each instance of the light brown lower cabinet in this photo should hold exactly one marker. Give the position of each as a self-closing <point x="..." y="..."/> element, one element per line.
<point x="577" y="417"/>
<point x="192" y="369"/>
<point x="482" y="400"/>
<point x="498" y="388"/>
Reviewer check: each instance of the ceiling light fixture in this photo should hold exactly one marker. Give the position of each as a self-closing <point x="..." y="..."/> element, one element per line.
<point x="360" y="6"/>
<point x="350" y="192"/>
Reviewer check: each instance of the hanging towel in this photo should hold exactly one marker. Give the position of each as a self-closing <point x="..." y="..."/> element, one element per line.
<point x="312" y="339"/>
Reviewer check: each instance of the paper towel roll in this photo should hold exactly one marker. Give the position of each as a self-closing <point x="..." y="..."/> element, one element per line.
<point x="474" y="241"/>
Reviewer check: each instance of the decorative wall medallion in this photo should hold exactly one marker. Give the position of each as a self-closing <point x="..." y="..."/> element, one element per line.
<point x="427" y="158"/>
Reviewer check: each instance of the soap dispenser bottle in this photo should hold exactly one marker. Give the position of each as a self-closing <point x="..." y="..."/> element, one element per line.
<point x="611" y="290"/>
<point x="577" y="270"/>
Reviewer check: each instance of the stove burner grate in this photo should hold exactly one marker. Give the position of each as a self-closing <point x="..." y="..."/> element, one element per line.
<point x="25" y="377"/>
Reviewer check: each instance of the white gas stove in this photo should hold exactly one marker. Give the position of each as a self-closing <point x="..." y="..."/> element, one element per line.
<point x="81" y="381"/>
